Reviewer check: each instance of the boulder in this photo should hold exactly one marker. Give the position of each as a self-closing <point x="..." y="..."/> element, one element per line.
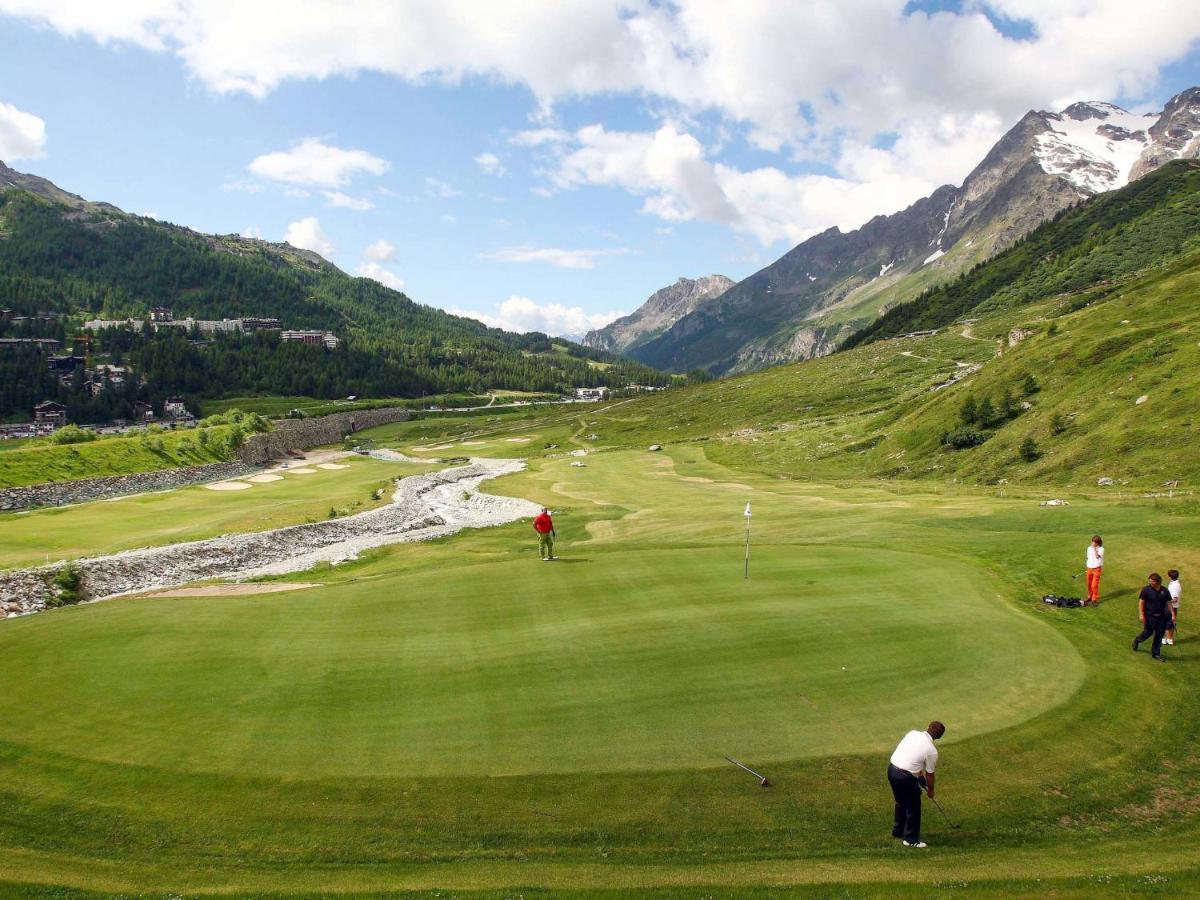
<point x="654" y="448"/>
<point x="1104" y="481"/>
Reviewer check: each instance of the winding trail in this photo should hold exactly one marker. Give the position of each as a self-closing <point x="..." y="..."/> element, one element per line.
<point x="423" y="507"/>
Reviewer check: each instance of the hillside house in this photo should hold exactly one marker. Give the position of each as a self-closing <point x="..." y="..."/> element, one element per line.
<point x="50" y="413"/>
<point x="161" y="314"/>
<point x="143" y="412"/>
<point x="46" y="345"/>
<point x="591" y="394"/>
<point x="175" y="408"/>
<point x="326" y="339"/>
<point x="260" y="323"/>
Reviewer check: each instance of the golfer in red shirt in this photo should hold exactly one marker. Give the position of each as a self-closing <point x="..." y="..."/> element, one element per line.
<point x="544" y="526"/>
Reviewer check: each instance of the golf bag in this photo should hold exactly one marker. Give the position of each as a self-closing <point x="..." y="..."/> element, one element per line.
<point x="1069" y="602"/>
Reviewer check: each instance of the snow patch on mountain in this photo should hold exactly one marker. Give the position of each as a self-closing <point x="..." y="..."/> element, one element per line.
<point x="1093" y="145"/>
<point x="936" y="254"/>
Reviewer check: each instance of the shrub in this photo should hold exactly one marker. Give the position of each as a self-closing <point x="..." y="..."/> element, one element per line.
<point x="202" y="437"/>
<point x="1052" y="330"/>
<point x="69" y="583"/>
<point x="1029" y="450"/>
<point x="1030" y="385"/>
<point x="963" y="438"/>
<point x="71" y="434"/>
<point x="969" y="412"/>
<point x="1057" y="424"/>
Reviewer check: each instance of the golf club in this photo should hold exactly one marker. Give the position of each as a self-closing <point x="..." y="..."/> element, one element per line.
<point x="1076" y="575"/>
<point x="762" y="779"/>
<point x="942" y="811"/>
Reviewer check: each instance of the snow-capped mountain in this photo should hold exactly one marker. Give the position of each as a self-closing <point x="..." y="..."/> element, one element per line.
<point x="805" y="302"/>
<point x="1093" y="145"/>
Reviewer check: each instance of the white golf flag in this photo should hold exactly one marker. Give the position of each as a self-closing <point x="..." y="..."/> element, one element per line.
<point x="747" y="513"/>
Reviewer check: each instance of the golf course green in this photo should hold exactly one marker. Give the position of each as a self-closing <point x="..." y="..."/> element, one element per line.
<point x="459" y="716"/>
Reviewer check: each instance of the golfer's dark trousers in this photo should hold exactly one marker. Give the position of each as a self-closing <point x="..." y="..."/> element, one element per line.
<point x="1155" y="626"/>
<point x="907" y="792"/>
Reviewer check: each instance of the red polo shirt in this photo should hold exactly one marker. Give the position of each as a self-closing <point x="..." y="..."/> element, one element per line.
<point x="543" y="524"/>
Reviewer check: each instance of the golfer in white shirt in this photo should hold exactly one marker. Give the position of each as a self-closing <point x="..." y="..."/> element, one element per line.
<point x="1175" y="589"/>
<point x="911" y="768"/>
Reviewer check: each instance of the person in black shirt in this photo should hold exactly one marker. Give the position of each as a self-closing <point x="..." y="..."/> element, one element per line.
<point x="1154" y="609"/>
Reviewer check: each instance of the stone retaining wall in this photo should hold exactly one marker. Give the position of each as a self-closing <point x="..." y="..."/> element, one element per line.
<point x="60" y="493"/>
<point x="301" y="434"/>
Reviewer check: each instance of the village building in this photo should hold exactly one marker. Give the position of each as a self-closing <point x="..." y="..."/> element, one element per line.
<point x="175" y="408"/>
<point x="591" y="394"/>
<point x="143" y="412"/>
<point x="314" y="338"/>
<point x="260" y="323"/>
<point x="44" y="344"/>
<point x="161" y="314"/>
<point x="50" y="413"/>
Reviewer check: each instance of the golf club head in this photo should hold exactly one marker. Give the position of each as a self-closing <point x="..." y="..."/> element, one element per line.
<point x="764" y="782"/>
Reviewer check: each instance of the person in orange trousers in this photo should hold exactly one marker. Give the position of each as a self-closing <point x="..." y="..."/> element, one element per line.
<point x="1095" y="566"/>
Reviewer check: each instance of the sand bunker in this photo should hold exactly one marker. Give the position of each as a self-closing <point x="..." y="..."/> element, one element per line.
<point x="434" y="447"/>
<point x="233" y="590"/>
<point x="264" y="478"/>
<point x="519" y="440"/>
<point x="331" y="466"/>
<point x="301" y="470"/>
<point x="229" y="486"/>
<point x="473" y="443"/>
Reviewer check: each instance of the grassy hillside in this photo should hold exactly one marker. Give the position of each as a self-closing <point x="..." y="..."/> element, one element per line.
<point x="1100" y="372"/>
<point x="1112" y="237"/>
<point x="38" y="462"/>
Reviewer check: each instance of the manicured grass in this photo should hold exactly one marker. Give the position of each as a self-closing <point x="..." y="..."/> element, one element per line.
<point x="195" y="513"/>
<point x="458" y="716"/>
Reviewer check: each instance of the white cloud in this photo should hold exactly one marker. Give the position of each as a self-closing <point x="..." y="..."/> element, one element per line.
<point x="252" y="231"/>
<point x="345" y="201"/>
<point x="491" y="164"/>
<point x="538" y="136"/>
<point x="821" y="81"/>
<point x="564" y="259"/>
<point x="522" y="314"/>
<point x="438" y="188"/>
<point x="670" y="171"/>
<point x="307" y="235"/>
<point x="380" y="273"/>
<point x="317" y="164"/>
<point x="381" y="251"/>
<point x="22" y="134"/>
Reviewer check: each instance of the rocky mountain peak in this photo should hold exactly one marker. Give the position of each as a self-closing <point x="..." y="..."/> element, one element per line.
<point x="661" y="310"/>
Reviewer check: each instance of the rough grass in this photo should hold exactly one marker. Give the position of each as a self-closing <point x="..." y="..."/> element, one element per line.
<point x="37" y="463"/>
<point x="458" y="716"/>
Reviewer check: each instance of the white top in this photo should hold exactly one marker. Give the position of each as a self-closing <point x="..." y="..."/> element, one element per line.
<point x="1095" y="556"/>
<point x="915" y="753"/>
<point x="1176" y="591"/>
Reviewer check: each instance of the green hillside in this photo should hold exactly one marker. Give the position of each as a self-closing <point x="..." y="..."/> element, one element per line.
<point x="79" y="261"/>
<point x="1063" y="354"/>
<point x="1113" y="236"/>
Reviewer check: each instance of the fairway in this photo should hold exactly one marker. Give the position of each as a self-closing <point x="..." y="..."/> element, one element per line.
<point x="195" y="513"/>
<point x="435" y="713"/>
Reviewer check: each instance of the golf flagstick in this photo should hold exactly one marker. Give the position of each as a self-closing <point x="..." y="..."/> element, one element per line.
<point x="746" y="573"/>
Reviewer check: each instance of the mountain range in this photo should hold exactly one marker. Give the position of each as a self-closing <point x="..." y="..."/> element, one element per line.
<point x="820" y="292"/>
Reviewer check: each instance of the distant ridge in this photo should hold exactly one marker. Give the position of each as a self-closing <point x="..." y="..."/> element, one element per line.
<point x="806" y="302"/>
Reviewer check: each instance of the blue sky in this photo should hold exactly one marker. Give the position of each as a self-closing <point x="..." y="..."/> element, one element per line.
<point x="548" y="165"/>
